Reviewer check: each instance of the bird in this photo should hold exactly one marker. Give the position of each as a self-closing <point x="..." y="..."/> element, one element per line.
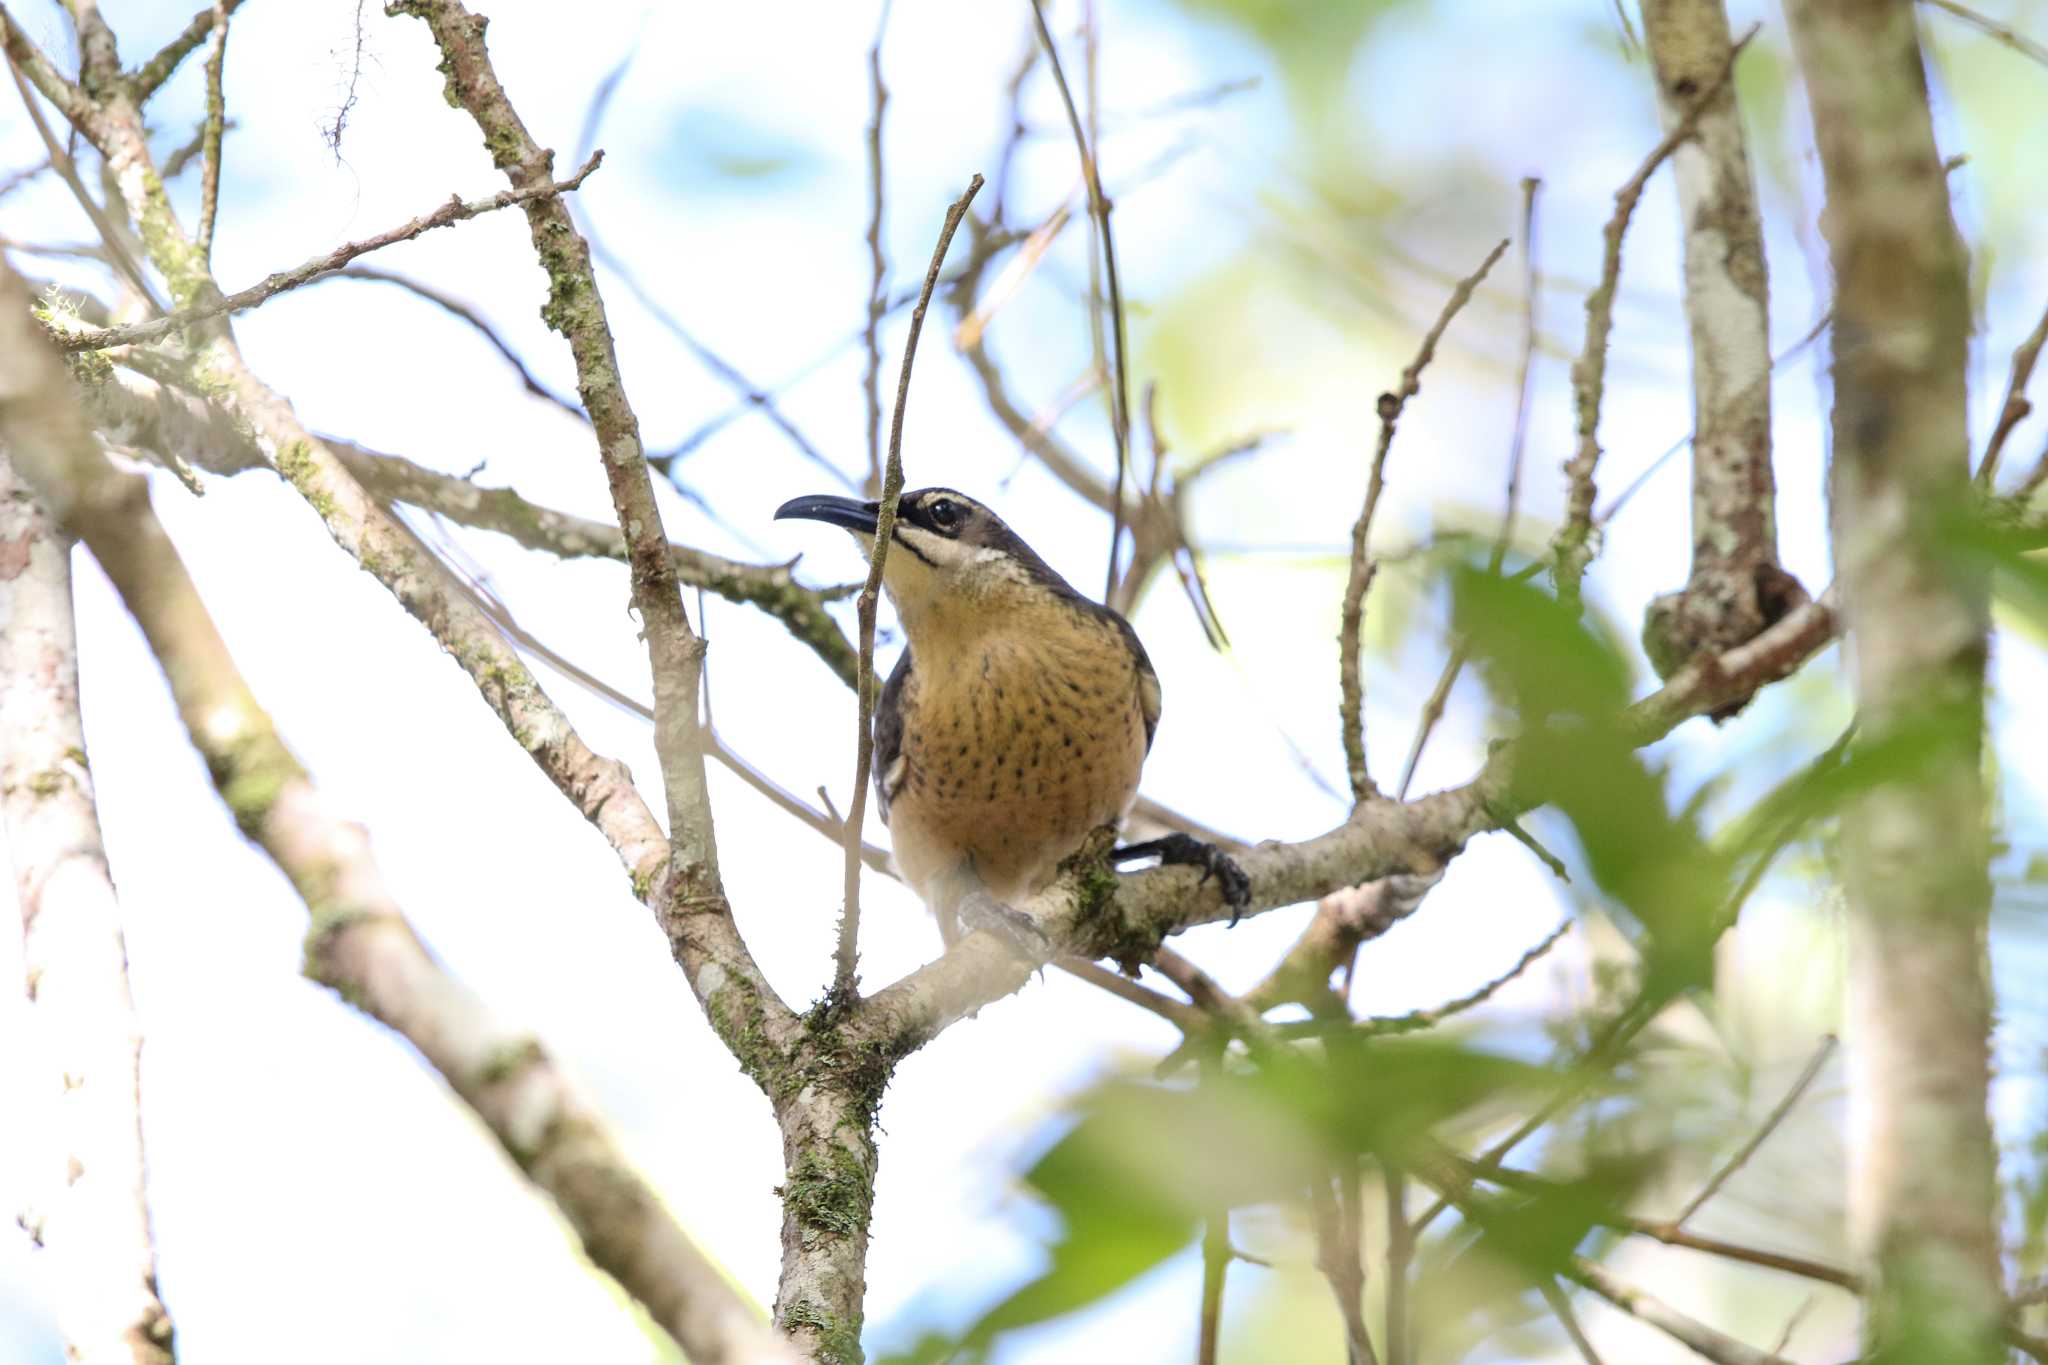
<point x="1015" y="723"/>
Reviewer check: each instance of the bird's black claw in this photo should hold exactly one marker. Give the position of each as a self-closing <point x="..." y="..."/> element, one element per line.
<point x="1187" y="851"/>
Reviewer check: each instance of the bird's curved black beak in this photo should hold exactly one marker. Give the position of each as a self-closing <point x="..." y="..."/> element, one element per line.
<point x="847" y="512"/>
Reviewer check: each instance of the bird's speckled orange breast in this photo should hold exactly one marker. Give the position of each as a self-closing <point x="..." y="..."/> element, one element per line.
<point x="1021" y="744"/>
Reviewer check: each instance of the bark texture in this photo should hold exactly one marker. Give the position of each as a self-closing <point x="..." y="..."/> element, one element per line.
<point x="91" y="1218"/>
<point x="1921" y="1180"/>
<point x="1736" y="587"/>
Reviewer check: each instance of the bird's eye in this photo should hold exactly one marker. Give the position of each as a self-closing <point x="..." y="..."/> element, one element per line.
<point x="945" y="514"/>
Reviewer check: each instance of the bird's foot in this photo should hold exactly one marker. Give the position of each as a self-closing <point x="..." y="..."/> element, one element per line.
<point x="979" y="910"/>
<point x="1188" y="851"/>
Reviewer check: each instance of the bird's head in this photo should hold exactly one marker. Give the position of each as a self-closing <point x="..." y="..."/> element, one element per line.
<point x="951" y="559"/>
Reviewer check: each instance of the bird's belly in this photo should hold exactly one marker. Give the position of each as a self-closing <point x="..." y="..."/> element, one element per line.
<point x="1009" y="771"/>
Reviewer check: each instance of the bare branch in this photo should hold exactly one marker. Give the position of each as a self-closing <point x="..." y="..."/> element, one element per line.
<point x="28" y="60"/>
<point x="360" y="944"/>
<point x="1098" y="209"/>
<point x="210" y="137"/>
<point x="751" y="394"/>
<point x="1701" y="1339"/>
<point x="1570" y="547"/>
<point x="878" y="279"/>
<point x="1215" y="1265"/>
<point x="91" y="1217"/>
<point x="1344" y="919"/>
<point x="111" y="237"/>
<point x="1430" y="1018"/>
<point x="2004" y="33"/>
<point x="1352" y="705"/>
<point x="278" y="282"/>
<point x="1561" y="1307"/>
<point x="154" y="72"/>
<point x="1736" y="586"/>
<point x="771" y="587"/>
<point x="1336" y="1223"/>
<point x="1439" y="694"/>
<point x="2017" y="406"/>
<point x="449" y="303"/>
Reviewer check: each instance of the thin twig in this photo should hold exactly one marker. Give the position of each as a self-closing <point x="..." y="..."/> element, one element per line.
<point x="846" y="956"/>
<point x="751" y="394"/>
<point x="14" y="180"/>
<point x="454" y="211"/>
<point x="1608" y="1042"/>
<point x="1215" y="1263"/>
<point x="1792" y="1323"/>
<point x="23" y="57"/>
<point x="1352" y="706"/>
<point x="1701" y="1339"/>
<point x="1561" y="1308"/>
<point x="1400" y="1251"/>
<point x="2004" y="33"/>
<point x="1430" y="1018"/>
<point x="450" y="304"/>
<point x="1098" y="208"/>
<point x="1183" y="1016"/>
<point x="1337" y="1258"/>
<point x="1439" y="695"/>
<point x="1756" y="1139"/>
<point x="871" y="378"/>
<point x="210" y="138"/>
<point x="2016" y="404"/>
<point x="1670" y="452"/>
<point x="1215" y="1266"/>
<point x="1570" y="548"/>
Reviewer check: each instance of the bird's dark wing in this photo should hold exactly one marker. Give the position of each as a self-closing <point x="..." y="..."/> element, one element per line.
<point x="891" y="765"/>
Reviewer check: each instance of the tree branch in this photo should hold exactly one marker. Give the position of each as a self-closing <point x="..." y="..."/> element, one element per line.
<point x="211" y="134"/>
<point x="1736" y="586"/>
<point x="1352" y="705"/>
<point x="1098" y="209"/>
<point x="154" y="72"/>
<point x="1379" y="839"/>
<point x="360" y="945"/>
<point x="1570" y="547"/>
<point x="278" y="282"/>
<point x="1695" y="1335"/>
<point x="91" y="1221"/>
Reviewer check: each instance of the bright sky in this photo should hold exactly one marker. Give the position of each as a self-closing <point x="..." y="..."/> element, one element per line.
<point x="315" y="1190"/>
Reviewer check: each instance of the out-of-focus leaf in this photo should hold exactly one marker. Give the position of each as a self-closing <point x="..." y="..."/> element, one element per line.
<point x="1485" y="1273"/>
<point x="1991" y="540"/>
<point x="1133" y="1176"/>
<point x="1314" y="41"/>
<point x="1145" y="1162"/>
<point x="1567" y="683"/>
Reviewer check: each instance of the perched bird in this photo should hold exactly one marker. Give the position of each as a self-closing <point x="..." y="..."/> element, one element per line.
<point x="1016" y="721"/>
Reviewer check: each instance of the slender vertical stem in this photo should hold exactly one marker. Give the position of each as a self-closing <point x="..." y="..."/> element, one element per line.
<point x="1098" y="208"/>
<point x="211" y="137"/>
<point x="871" y="379"/>
<point x="847" y="955"/>
<point x="1400" y="1250"/>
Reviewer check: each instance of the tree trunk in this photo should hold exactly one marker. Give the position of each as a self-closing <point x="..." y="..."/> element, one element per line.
<point x="1922" y="1191"/>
